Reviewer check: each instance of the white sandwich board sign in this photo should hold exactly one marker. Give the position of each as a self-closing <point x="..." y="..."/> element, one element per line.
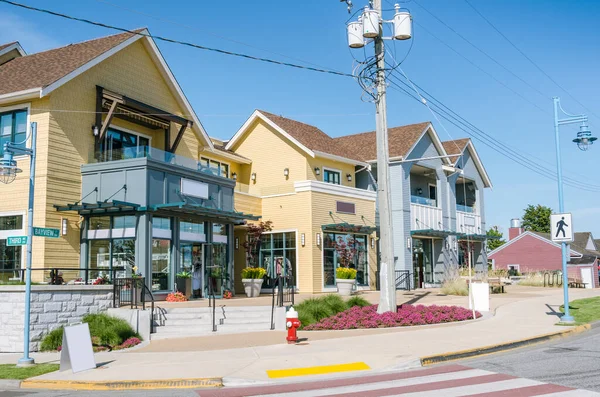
<point x="77" y="353"/>
<point x="561" y="228"/>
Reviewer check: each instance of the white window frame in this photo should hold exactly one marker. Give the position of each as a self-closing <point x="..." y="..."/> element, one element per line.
<point x="4" y="234"/>
<point x="332" y="170"/>
<point x="220" y="163"/>
<point x="516" y="266"/>
<point x="429" y="186"/>
<point x="28" y="130"/>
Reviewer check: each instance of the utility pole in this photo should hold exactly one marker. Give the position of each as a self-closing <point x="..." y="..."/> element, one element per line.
<point x="387" y="298"/>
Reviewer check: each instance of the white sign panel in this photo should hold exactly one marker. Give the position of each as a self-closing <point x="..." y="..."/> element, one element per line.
<point x="77" y="353"/>
<point x="194" y="188"/>
<point x="561" y="228"/>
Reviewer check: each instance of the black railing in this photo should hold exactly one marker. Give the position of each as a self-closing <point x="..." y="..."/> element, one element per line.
<point x="282" y="294"/>
<point x="402" y="279"/>
<point x="212" y="301"/>
<point x="130" y="292"/>
<point x="62" y="275"/>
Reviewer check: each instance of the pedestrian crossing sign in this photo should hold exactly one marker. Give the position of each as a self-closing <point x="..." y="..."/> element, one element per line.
<point x="561" y="228"/>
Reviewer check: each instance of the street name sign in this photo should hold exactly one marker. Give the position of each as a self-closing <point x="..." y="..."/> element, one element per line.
<point x="561" y="228"/>
<point x="46" y="232"/>
<point x="16" y="240"/>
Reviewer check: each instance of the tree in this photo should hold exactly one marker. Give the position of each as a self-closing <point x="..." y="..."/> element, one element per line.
<point x="537" y="218"/>
<point x="255" y="232"/>
<point x="492" y="244"/>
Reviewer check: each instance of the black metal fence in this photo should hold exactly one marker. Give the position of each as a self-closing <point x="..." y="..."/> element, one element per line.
<point x="284" y="288"/>
<point x="403" y="279"/>
<point x="62" y="275"/>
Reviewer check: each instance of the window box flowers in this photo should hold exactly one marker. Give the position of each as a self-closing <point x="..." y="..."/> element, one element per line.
<point x="252" y="279"/>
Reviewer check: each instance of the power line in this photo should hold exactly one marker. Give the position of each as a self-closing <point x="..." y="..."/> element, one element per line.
<point x="479" y="68"/>
<point x="179" y="24"/>
<point x="530" y="60"/>
<point x="161" y="38"/>
<point x="494" y="144"/>
<point x="482" y="51"/>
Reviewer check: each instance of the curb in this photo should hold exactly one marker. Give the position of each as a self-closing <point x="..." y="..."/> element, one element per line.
<point x="485" y="350"/>
<point x="193" y="383"/>
<point x="9" y="384"/>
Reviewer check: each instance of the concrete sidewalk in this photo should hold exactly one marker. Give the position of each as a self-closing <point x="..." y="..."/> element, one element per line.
<point x="524" y="314"/>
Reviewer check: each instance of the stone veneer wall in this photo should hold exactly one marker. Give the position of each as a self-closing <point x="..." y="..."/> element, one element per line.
<point x="52" y="306"/>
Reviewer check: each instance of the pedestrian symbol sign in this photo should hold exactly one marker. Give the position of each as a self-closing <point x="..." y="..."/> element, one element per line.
<point x="561" y="228"/>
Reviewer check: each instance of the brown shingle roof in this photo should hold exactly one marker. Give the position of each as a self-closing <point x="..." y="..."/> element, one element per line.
<point x="311" y="137"/>
<point x="3" y="46"/>
<point x="44" y="68"/>
<point x="400" y="139"/>
<point x="455" y="146"/>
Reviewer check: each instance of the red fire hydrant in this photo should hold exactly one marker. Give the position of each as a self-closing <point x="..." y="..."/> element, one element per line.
<point x="292" y="323"/>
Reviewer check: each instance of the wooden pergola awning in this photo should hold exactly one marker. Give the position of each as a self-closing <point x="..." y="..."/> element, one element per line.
<point x="123" y="107"/>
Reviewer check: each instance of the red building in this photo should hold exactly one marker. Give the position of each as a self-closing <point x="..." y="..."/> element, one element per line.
<point x="528" y="251"/>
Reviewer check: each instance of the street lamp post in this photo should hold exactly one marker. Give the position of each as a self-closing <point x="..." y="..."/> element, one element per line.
<point x="8" y="173"/>
<point x="584" y="140"/>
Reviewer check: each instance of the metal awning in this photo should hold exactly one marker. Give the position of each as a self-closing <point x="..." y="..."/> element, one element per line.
<point x="349" y="228"/>
<point x="477" y="237"/>
<point x="432" y="233"/>
<point x="179" y="207"/>
<point x="197" y="209"/>
<point x="100" y="207"/>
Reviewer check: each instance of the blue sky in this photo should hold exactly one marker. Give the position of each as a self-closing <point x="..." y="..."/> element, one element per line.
<point x="560" y="37"/>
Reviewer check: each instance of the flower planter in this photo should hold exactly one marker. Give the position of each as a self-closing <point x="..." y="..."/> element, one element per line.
<point x="345" y="286"/>
<point x="252" y="287"/>
<point x="184" y="285"/>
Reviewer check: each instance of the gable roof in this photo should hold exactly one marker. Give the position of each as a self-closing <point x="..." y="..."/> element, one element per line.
<point x="400" y="141"/>
<point x="37" y="75"/>
<point x="455" y="147"/>
<point x="308" y="138"/>
<point x="467" y="144"/>
<point x="544" y="237"/>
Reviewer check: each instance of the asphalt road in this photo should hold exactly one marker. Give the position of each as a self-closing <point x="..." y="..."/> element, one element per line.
<point x="573" y="362"/>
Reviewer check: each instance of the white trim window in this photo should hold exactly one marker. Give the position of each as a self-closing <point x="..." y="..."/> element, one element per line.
<point x="332" y="176"/>
<point x="11" y="257"/>
<point x="215" y="167"/>
<point x="119" y="144"/>
<point x="13" y="127"/>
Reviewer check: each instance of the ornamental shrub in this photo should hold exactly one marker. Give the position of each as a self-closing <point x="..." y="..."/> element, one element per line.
<point x="176" y="297"/>
<point x="107" y="333"/>
<point x="314" y="310"/>
<point x="345" y="273"/>
<point x="253" y="273"/>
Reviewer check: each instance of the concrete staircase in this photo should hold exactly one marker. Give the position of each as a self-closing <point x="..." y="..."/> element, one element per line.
<point x="197" y="321"/>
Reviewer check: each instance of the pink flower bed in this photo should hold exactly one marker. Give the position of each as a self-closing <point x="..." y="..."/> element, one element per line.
<point x="407" y="315"/>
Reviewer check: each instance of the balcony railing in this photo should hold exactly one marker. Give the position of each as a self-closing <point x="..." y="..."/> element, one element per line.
<point x="151" y="153"/>
<point x="425" y="217"/>
<point x="465" y="208"/>
<point x="423" y="201"/>
<point x="468" y="223"/>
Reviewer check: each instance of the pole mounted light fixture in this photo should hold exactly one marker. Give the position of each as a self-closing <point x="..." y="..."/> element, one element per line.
<point x="8" y="173"/>
<point x="584" y="140"/>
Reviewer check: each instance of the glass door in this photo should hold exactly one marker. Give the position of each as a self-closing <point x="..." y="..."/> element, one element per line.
<point x="215" y="269"/>
<point x="192" y="261"/>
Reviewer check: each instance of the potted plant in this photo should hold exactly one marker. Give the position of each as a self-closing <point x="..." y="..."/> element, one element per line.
<point x="252" y="279"/>
<point x="345" y="278"/>
<point x="184" y="283"/>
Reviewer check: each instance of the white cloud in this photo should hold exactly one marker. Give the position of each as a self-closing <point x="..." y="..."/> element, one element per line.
<point x="32" y="39"/>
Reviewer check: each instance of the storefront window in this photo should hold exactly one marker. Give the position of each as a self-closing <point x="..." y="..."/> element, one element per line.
<point x="10" y="257"/>
<point x="161" y="265"/>
<point x="422" y="261"/>
<point x="99" y="261"/>
<point x="349" y="250"/>
<point x="278" y="255"/>
<point x="111" y="246"/>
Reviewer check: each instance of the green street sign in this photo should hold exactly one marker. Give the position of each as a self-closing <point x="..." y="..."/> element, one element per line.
<point x="46" y="232"/>
<point x="16" y="240"/>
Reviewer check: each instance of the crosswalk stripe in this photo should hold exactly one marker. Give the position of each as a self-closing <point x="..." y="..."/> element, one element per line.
<point x="446" y="381"/>
<point x="367" y="387"/>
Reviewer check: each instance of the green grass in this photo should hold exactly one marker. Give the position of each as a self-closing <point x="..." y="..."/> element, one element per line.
<point x="105" y="330"/>
<point x="314" y="310"/>
<point x="11" y="371"/>
<point x="584" y="310"/>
